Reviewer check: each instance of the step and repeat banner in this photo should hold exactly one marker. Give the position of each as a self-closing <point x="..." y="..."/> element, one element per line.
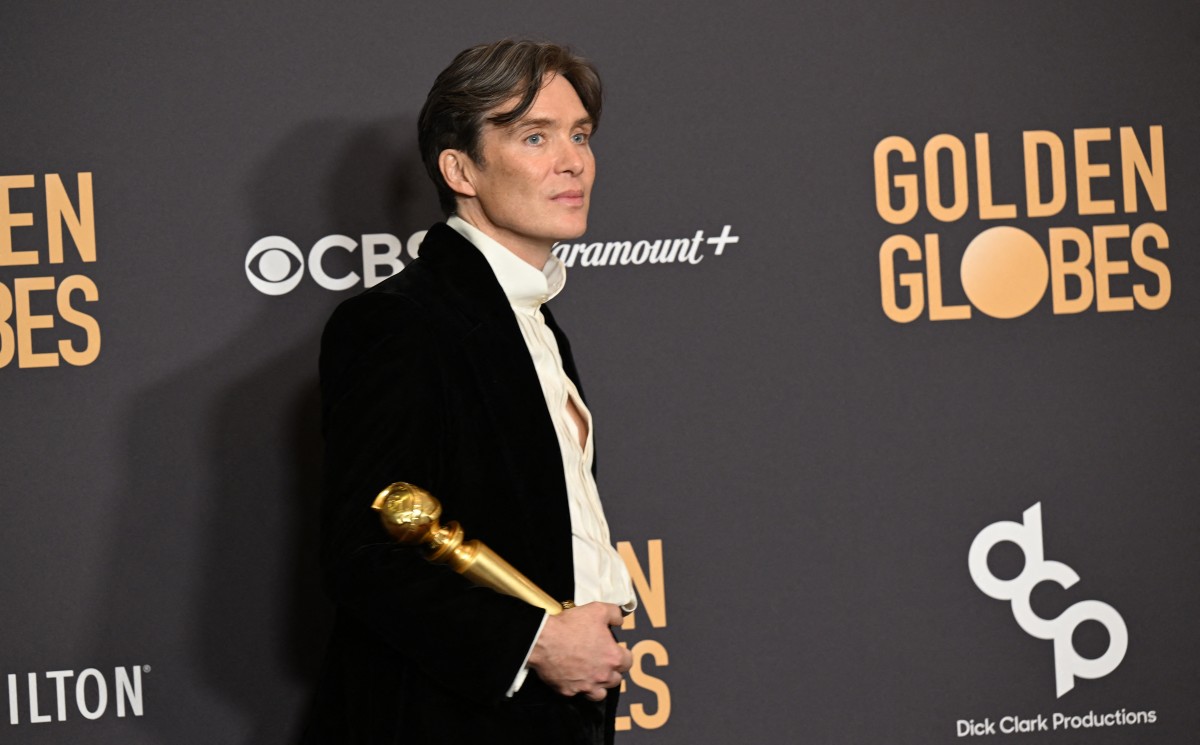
<point x="889" y="317"/>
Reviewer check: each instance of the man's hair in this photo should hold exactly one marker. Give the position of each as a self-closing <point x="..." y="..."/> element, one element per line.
<point x="484" y="77"/>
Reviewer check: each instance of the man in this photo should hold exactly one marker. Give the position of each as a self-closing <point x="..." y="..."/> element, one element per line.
<point x="452" y="376"/>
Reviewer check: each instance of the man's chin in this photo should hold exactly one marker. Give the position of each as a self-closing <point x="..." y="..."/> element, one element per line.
<point x="571" y="232"/>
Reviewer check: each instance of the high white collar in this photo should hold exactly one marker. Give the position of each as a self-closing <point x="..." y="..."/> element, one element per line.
<point x="523" y="284"/>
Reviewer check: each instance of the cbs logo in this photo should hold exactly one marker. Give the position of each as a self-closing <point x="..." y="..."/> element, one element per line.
<point x="275" y="265"/>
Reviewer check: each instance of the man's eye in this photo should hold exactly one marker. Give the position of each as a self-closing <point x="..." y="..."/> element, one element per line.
<point x="535" y="139"/>
<point x="579" y="138"/>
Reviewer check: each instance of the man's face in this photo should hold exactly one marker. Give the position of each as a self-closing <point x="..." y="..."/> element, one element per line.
<point x="535" y="184"/>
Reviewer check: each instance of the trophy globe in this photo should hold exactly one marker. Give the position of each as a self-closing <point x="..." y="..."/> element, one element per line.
<point x="410" y="513"/>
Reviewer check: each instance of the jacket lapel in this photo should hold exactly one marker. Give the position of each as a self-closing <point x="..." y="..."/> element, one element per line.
<point x="495" y="349"/>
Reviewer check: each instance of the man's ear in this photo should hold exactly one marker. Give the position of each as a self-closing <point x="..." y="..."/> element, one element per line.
<point x="459" y="171"/>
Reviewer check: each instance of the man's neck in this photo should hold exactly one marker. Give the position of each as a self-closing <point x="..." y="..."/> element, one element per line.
<point x="534" y="254"/>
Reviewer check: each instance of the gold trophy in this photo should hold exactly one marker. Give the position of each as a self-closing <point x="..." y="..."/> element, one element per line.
<point x="411" y="515"/>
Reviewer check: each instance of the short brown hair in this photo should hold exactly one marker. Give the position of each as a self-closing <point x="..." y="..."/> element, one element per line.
<point x="484" y="77"/>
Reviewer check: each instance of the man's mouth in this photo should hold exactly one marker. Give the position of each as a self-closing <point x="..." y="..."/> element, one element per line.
<point x="572" y="198"/>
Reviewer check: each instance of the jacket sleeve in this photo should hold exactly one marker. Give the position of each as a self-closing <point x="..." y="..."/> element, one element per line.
<point x="383" y="421"/>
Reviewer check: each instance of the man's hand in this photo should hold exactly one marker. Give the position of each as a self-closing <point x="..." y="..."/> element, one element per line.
<point x="575" y="652"/>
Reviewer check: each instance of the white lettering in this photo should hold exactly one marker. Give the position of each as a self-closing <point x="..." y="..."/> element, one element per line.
<point x="1010" y="724"/>
<point x="129" y="691"/>
<point x="372" y="260"/>
<point x="971" y="728"/>
<point x="641" y="252"/>
<point x="60" y="684"/>
<point x="591" y="254"/>
<point x="689" y="254"/>
<point x="276" y="266"/>
<point x="615" y="251"/>
<point x="81" y="693"/>
<point x="34" y="716"/>
<point x="317" y="269"/>
<point x="414" y="243"/>
<point x="677" y="245"/>
<point x="566" y="252"/>
<point x="723" y="239"/>
<point x="126" y="684"/>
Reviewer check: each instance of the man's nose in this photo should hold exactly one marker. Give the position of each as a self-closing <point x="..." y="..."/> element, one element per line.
<point x="570" y="158"/>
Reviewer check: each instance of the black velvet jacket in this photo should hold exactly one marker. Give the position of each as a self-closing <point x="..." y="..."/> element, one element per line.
<point x="426" y="378"/>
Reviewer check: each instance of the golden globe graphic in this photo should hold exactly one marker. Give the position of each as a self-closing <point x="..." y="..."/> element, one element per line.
<point x="645" y="694"/>
<point x="33" y="243"/>
<point x="1105" y="257"/>
<point x="1004" y="272"/>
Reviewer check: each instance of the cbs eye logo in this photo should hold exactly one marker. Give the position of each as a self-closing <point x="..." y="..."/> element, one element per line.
<point x="276" y="265"/>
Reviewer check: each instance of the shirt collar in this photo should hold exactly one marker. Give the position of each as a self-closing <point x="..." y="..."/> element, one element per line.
<point x="523" y="284"/>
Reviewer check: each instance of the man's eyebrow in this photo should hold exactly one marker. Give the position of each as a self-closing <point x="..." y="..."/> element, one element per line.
<point x="545" y="122"/>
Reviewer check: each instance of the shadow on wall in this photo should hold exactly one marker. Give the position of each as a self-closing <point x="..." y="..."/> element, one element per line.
<point x="216" y="569"/>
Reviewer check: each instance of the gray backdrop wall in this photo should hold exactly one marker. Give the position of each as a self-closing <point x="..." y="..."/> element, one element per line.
<point x="964" y="284"/>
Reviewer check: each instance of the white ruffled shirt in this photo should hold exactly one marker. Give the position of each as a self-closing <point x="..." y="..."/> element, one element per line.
<point x="600" y="574"/>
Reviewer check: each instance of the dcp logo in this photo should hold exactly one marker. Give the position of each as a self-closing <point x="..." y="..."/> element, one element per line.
<point x="1068" y="664"/>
